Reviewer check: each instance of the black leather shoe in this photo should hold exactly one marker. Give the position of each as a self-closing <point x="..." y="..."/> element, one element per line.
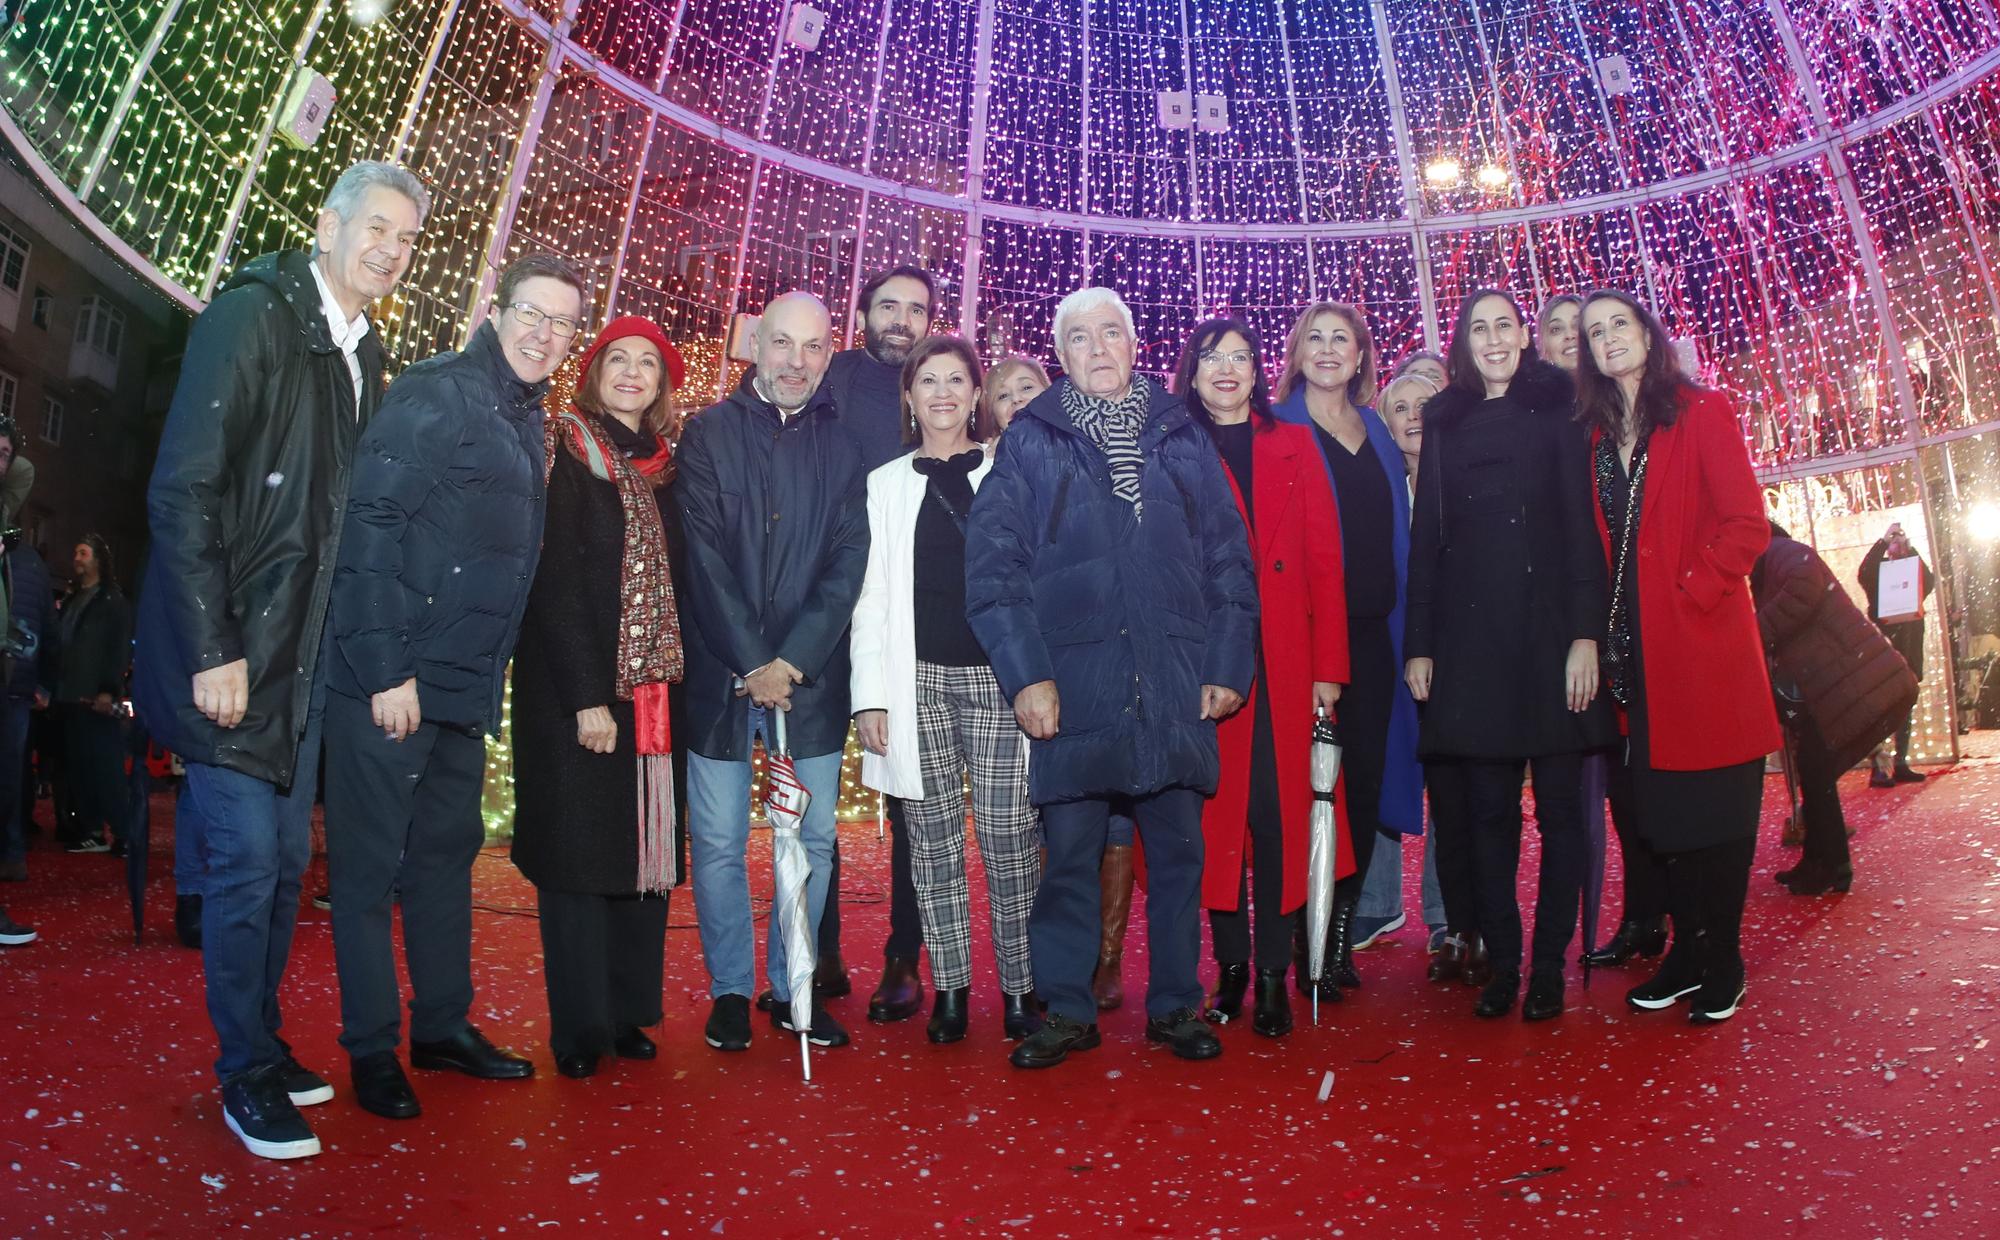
<point x="1272" y="1017"/>
<point x="1052" y="1043"/>
<point x="469" y="1052"/>
<point x="728" y="1026"/>
<point x="900" y="994"/>
<point x="382" y="1089"/>
<point x="949" y="1016"/>
<point x="1545" y="996"/>
<point x="1811" y="880"/>
<point x="1448" y="965"/>
<point x="1876" y="779"/>
<point x="1478" y="968"/>
<point x="1633" y="938"/>
<point x="1231" y="980"/>
<point x="187" y="921"/>
<point x="1020" y="1016"/>
<point x="1904" y="775"/>
<point x="634" y="1044"/>
<point x="830" y="979"/>
<point x="1185" y="1033"/>
<point x="576" y="1067"/>
<point x="1496" y="998"/>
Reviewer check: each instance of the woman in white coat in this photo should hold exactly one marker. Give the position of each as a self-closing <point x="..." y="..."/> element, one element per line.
<point x="926" y="704"/>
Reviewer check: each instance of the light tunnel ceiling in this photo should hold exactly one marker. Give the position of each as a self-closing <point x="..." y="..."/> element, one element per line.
<point x="1807" y="189"/>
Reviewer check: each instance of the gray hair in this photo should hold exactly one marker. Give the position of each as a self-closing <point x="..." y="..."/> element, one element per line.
<point x="344" y="199"/>
<point x="1087" y="299"/>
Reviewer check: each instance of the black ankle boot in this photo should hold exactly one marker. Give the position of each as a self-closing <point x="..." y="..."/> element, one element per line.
<point x="1496" y="998"/>
<point x="1272" y="1017"/>
<point x="1020" y="1016"/>
<point x="949" y="1016"/>
<point x="1633" y="938"/>
<point x="1231" y="980"/>
<point x="1340" y="945"/>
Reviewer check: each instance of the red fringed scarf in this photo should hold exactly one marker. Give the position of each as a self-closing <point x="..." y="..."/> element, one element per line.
<point x="649" y="631"/>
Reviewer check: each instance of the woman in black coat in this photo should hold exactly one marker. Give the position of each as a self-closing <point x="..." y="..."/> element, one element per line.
<point x="595" y="809"/>
<point x="1507" y="597"/>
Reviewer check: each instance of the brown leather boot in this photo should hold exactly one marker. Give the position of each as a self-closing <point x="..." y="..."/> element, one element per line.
<point x="900" y="994"/>
<point x="1107" y="984"/>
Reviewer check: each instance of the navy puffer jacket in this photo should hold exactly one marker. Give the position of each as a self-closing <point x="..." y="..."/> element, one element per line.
<point x="443" y="532"/>
<point x="1129" y="617"/>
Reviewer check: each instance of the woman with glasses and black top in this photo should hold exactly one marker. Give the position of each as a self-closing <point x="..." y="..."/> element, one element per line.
<point x="1255" y="827"/>
<point x="1507" y="599"/>
<point x="1682" y="523"/>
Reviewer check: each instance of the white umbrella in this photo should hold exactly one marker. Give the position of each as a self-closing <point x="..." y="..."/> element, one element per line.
<point x="785" y="801"/>
<point x="1324" y="846"/>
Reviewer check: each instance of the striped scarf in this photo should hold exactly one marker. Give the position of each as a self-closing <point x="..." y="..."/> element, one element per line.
<point x="1114" y="427"/>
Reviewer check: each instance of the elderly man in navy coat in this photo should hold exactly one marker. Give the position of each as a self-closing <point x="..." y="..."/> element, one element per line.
<point x="1108" y="575"/>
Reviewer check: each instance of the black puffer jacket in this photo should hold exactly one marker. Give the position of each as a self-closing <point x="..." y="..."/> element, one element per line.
<point x="775" y="514"/>
<point x="245" y="507"/>
<point x="443" y="531"/>
<point x="30" y="652"/>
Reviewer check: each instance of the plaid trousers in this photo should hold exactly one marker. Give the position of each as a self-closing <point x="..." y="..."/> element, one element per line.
<point x="965" y="724"/>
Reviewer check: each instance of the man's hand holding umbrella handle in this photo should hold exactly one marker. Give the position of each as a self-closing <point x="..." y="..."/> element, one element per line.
<point x="771" y="685"/>
<point x="1038" y="710"/>
<point x="1219" y="701"/>
<point x="396" y="711"/>
<point x="223" y="693"/>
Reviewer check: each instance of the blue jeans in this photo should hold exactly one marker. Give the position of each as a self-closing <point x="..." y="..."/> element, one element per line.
<point x="719" y="832"/>
<point x="190" y="852"/>
<point x="13" y="769"/>
<point x="257" y="840"/>
<point x="1382" y="889"/>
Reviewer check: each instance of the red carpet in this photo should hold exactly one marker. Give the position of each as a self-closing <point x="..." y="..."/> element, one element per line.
<point x="1855" y="1096"/>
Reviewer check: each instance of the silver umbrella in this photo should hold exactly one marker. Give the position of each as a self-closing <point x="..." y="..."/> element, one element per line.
<point x="785" y="801"/>
<point x="1324" y="846"/>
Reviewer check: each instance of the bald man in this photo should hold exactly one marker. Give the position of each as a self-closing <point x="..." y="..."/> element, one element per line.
<point x="774" y="505"/>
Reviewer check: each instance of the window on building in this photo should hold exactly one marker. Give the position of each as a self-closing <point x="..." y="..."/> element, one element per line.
<point x="52" y="420"/>
<point x="8" y="390"/>
<point x="44" y="308"/>
<point x="101" y="326"/>
<point x="13" y="259"/>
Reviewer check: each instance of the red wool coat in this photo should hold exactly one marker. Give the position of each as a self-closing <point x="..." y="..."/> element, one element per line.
<point x="1303" y="599"/>
<point x="1701" y="529"/>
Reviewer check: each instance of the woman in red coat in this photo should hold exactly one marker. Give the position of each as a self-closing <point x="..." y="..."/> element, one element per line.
<point x="1682" y="654"/>
<point x="1265" y="793"/>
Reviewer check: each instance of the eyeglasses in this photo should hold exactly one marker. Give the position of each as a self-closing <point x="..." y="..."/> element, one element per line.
<point x="1212" y="360"/>
<point x="531" y="316"/>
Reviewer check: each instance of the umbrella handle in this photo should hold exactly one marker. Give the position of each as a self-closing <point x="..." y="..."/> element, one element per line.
<point x="783" y="746"/>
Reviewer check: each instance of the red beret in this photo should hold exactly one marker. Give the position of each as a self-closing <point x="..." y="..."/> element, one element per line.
<point x="637" y="325"/>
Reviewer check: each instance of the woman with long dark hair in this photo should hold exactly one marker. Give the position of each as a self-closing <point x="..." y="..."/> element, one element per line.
<point x="1682" y="523"/>
<point x="1255" y="827"/>
<point x="600" y="643"/>
<point x="1326" y="384"/>
<point x="1506" y="604"/>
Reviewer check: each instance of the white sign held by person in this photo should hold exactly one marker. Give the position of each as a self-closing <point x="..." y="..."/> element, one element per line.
<point x="1898" y="591"/>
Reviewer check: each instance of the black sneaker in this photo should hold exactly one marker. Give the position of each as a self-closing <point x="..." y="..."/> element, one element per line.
<point x="1720" y="995"/>
<point x="13" y="933"/>
<point x="729" y="1023"/>
<point x="1679" y="977"/>
<point x="1185" y="1033"/>
<point x="88" y="846"/>
<point x="826" y="1031"/>
<point x="256" y="1109"/>
<point x="1051" y="1044"/>
<point x="303" y="1086"/>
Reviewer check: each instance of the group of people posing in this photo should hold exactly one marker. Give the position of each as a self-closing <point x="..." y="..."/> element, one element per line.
<point x="1116" y="606"/>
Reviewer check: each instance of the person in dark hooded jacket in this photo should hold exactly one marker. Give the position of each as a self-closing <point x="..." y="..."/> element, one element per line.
<point x="774" y="510"/>
<point x="281" y="373"/>
<point x="1842" y="687"/>
<point x="1108" y="575"/>
<point x="442" y="536"/>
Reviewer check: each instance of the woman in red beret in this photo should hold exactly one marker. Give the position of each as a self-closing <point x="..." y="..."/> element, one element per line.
<point x="594" y="791"/>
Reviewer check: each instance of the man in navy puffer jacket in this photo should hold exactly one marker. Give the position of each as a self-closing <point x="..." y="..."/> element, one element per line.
<point x="443" y="532"/>
<point x="1108" y="575"/>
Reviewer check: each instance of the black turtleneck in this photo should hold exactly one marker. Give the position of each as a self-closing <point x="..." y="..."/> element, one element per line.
<point x="943" y="636"/>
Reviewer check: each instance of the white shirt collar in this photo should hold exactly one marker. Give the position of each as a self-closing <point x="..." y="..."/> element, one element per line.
<point x="347" y="333"/>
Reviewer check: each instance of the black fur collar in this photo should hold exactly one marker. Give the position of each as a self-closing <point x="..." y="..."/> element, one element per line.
<point x="1539" y="387"/>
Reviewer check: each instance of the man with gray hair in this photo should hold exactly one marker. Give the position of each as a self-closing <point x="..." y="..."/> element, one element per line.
<point x="1108" y="575"/>
<point x="773" y="499"/>
<point x="281" y="373"/>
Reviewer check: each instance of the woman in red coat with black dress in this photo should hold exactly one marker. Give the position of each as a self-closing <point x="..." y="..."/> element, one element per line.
<point x="1682" y="655"/>
<point x="1254" y="829"/>
<point x="600" y="643"/>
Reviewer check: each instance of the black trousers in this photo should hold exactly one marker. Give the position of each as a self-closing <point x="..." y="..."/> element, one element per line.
<point x="94" y="771"/>
<point x="1231" y="929"/>
<point x="1706" y="890"/>
<point x="906" y="930"/>
<point x="1450" y="796"/>
<point x="1492" y="819"/>
<point x="1819" y="800"/>
<point x="403" y="827"/>
<point x="603" y="960"/>
<point x="1364" y="746"/>
<point x="1645" y="882"/>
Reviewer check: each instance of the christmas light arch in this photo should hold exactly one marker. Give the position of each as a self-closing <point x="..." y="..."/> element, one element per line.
<point x="1805" y="188"/>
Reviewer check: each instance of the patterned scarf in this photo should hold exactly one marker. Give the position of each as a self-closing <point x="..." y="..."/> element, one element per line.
<point x="649" y="631"/>
<point x="1114" y="427"/>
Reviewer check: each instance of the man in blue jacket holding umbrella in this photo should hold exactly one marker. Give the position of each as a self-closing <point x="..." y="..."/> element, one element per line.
<point x="1108" y="575"/>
